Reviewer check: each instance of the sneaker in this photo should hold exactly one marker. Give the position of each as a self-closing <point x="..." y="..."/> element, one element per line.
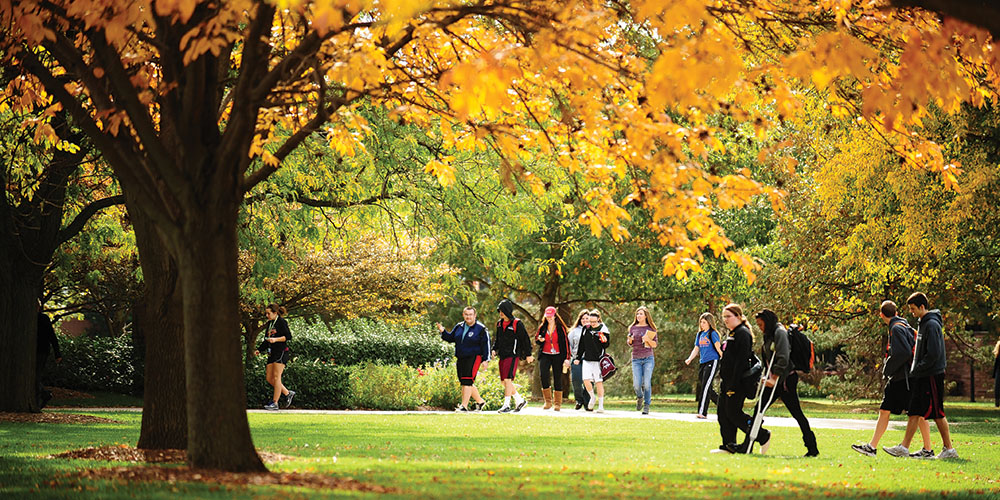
<point x="288" y="398"/>
<point x="477" y="406"/>
<point x="766" y="444"/>
<point x="947" y="453"/>
<point x="505" y="409"/>
<point x="897" y="451"/>
<point x="272" y="406"/>
<point x="520" y="406"/>
<point x="864" y="449"/>
<point x="923" y="454"/>
<point x="645" y="409"/>
<point x="638" y="404"/>
<point x="461" y="409"/>
<point x="701" y="416"/>
<point x="600" y="409"/>
<point x="590" y="405"/>
<point x="579" y="405"/>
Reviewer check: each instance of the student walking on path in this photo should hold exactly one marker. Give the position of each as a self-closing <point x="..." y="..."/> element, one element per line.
<point x="734" y="368"/>
<point x="642" y="337"/>
<point x="554" y="359"/>
<point x="276" y="344"/>
<point x="927" y="379"/>
<point x="580" y="395"/>
<point x="472" y="348"/>
<point x="707" y="346"/>
<point x="783" y="381"/>
<point x="593" y="342"/>
<point x="896" y="373"/>
<point x="512" y="344"/>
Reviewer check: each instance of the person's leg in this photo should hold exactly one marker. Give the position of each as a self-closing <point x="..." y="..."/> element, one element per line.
<point x="599" y="388"/>
<point x="637" y="367"/>
<point x="942" y="425"/>
<point x="996" y="392"/>
<point x="647" y="380"/>
<point x="880" y="426"/>
<point x="733" y="412"/>
<point x="708" y="371"/>
<point x="579" y="393"/>
<point x="911" y="428"/>
<point x="279" y="388"/>
<point x="698" y="388"/>
<point x="474" y="395"/>
<point x="545" y="365"/>
<point x="466" y="394"/>
<point x="790" y="396"/>
<point x="925" y="434"/>
<point x="269" y="374"/>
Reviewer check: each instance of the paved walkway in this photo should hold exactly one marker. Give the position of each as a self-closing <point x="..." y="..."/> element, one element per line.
<point x="536" y="410"/>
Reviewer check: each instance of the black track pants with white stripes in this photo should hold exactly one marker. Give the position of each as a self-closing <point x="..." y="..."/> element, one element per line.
<point x="706" y="375"/>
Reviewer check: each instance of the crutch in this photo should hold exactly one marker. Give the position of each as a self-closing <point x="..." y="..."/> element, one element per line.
<point x="759" y="412"/>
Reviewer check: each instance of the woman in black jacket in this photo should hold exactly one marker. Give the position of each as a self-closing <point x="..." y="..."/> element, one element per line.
<point x="276" y="344"/>
<point x="736" y="351"/>
<point x="553" y="358"/>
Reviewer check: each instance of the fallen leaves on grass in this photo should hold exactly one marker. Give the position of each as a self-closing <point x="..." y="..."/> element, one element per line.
<point x="54" y="418"/>
<point x="185" y="474"/>
<point x="126" y="453"/>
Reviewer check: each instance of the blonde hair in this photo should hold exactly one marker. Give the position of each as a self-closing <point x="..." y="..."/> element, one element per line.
<point x="737" y="311"/>
<point x="649" y="318"/>
<point x="996" y="349"/>
<point x="579" y="317"/>
<point x="709" y="318"/>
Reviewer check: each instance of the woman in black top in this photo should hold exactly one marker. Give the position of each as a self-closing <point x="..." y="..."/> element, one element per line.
<point x="736" y="352"/>
<point x="276" y="344"/>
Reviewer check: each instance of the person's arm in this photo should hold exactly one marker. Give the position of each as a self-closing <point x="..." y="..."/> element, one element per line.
<point x="446" y="335"/>
<point x="928" y="351"/>
<point x="782" y="353"/>
<point x="690" y="358"/>
<point x="523" y="342"/>
<point x="563" y="342"/>
<point x="716" y="342"/>
<point x="485" y="345"/>
<point x="607" y="339"/>
<point x="284" y="331"/>
<point x="899" y="354"/>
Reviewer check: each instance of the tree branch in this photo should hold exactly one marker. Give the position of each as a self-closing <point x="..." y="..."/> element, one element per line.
<point x="89" y="211"/>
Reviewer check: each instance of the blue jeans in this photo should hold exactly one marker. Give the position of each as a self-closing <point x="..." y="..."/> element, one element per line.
<point x="642" y="378"/>
<point x="580" y="393"/>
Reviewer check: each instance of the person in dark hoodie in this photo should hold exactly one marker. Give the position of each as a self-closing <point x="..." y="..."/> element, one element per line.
<point x="512" y="343"/>
<point x="996" y="375"/>
<point x="783" y="380"/>
<point x="593" y="341"/>
<point x="472" y="348"/>
<point x="926" y="379"/>
<point x="896" y="373"/>
<point x="735" y="364"/>
<point x="45" y="339"/>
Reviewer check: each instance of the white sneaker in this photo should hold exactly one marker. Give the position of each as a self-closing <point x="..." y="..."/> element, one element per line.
<point x="947" y="453"/>
<point x="898" y="451"/>
<point x="600" y="409"/>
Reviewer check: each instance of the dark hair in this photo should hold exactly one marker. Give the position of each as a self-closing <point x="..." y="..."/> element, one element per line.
<point x="595" y="312"/>
<point x="769" y="318"/>
<point x="276" y="308"/>
<point x="918" y="299"/>
<point x="888" y="309"/>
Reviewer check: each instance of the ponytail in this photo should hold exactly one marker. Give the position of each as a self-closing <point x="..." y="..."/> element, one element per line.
<point x="276" y="308"/>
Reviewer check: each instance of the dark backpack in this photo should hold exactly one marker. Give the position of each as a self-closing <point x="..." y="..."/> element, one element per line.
<point x="803" y="353"/>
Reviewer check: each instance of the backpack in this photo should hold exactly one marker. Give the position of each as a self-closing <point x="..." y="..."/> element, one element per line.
<point x="803" y="353"/>
<point x="608" y="368"/>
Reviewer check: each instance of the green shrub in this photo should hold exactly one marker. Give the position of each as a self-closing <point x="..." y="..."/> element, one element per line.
<point x="357" y="341"/>
<point x="96" y="363"/>
<point x="384" y="387"/>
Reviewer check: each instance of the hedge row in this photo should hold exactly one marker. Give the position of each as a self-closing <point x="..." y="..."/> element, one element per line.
<point x="357" y="341"/>
<point x="97" y="364"/>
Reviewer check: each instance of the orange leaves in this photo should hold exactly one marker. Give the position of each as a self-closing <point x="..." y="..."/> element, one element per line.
<point x="832" y="55"/>
<point x="180" y="9"/>
<point x="481" y="87"/>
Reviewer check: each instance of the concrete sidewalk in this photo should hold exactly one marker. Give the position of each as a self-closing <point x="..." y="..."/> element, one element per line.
<point x="568" y="412"/>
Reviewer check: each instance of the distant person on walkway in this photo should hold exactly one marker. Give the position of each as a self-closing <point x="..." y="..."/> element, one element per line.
<point x="472" y="348"/>
<point x="579" y="393"/>
<point x="734" y="367"/>
<point x="593" y="342"/>
<point x="783" y="380"/>
<point x="511" y="344"/>
<point x="927" y="379"/>
<point x="996" y="375"/>
<point x="554" y="359"/>
<point x="896" y="373"/>
<point x="642" y="337"/>
<point x="45" y="339"/>
<point x="276" y="344"/>
<point x="707" y="346"/>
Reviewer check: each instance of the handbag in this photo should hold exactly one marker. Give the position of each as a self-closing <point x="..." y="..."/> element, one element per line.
<point x="608" y="367"/>
<point x="751" y="377"/>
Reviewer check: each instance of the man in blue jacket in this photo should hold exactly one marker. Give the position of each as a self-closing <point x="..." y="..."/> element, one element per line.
<point x="896" y="372"/>
<point x="472" y="348"/>
<point x="926" y="378"/>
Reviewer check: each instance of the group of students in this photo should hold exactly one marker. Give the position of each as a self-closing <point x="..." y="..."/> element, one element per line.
<point x="914" y="368"/>
<point x="577" y="351"/>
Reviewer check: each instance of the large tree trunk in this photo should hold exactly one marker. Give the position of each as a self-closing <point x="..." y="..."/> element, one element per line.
<point x="19" y="285"/>
<point x="218" y="430"/>
<point x="159" y="317"/>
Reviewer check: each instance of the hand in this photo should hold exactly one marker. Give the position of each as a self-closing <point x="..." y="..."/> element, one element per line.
<point x="629" y="340"/>
<point x="530" y="359"/>
<point x="270" y="340"/>
<point x="541" y="338"/>
<point x="493" y="354"/>
<point x="687" y="361"/>
<point x="770" y="381"/>
<point x="440" y="327"/>
<point x="576" y="361"/>
<point x="566" y="363"/>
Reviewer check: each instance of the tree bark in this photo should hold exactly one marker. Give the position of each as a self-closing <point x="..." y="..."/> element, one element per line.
<point x="159" y="317"/>
<point x="218" y="430"/>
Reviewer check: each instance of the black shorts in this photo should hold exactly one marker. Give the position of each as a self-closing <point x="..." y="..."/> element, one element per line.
<point x="278" y="357"/>
<point x="927" y="397"/>
<point x="896" y="397"/>
<point x="467" y="369"/>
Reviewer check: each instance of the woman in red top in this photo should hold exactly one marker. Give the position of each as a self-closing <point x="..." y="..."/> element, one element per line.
<point x="554" y="357"/>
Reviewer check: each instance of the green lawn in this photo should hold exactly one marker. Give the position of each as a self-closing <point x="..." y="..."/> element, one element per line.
<point x="518" y="456"/>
